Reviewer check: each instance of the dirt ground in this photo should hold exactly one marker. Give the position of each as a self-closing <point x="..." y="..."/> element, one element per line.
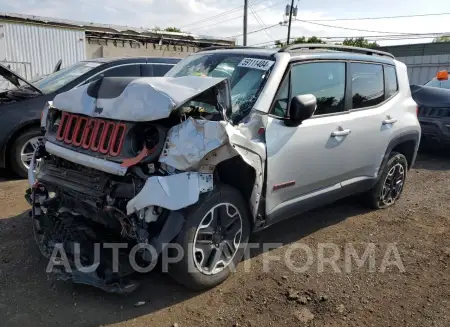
<point x="419" y="225"/>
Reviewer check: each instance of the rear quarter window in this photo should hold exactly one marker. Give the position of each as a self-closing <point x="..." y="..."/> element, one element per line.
<point x="390" y="75"/>
<point x="367" y="85"/>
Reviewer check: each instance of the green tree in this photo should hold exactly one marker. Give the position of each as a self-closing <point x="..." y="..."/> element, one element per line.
<point x="443" y="38"/>
<point x="360" y="42"/>
<point x="172" y="29"/>
<point x="300" y="40"/>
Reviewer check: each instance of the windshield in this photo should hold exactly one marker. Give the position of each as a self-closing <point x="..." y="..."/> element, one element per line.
<point x="437" y="83"/>
<point x="246" y="73"/>
<point x="53" y="82"/>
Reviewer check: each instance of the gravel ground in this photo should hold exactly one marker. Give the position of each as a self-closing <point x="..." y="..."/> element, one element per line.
<point x="418" y="225"/>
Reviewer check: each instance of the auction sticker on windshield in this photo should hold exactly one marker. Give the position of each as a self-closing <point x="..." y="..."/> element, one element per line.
<point x="261" y="64"/>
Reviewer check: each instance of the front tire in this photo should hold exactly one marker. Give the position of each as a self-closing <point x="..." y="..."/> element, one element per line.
<point x="22" y="150"/>
<point x="213" y="239"/>
<point x="390" y="185"/>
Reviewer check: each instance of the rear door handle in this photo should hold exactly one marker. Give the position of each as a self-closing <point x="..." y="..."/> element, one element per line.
<point x="343" y="132"/>
<point x="389" y="121"/>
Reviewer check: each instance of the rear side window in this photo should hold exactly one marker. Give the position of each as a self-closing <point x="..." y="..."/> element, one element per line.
<point x="367" y="85"/>
<point x="123" y="71"/>
<point x="324" y="80"/>
<point x="160" y="70"/>
<point x="390" y="76"/>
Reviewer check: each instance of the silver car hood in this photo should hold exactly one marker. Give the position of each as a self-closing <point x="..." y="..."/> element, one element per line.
<point x="141" y="99"/>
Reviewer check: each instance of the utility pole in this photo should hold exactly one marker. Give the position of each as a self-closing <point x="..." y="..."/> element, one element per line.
<point x="290" y="22"/>
<point x="245" y="21"/>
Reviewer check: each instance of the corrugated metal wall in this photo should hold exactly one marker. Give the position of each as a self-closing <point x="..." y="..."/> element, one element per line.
<point x="41" y="46"/>
<point x="421" y="69"/>
<point x="424" y="60"/>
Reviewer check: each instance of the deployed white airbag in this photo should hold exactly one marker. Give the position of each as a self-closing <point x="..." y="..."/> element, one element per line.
<point x="187" y="143"/>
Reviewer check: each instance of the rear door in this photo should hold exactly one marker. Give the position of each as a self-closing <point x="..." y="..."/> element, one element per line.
<point x="373" y="87"/>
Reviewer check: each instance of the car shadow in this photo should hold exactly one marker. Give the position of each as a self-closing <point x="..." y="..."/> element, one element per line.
<point x="433" y="160"/>
<point x="8" y="175"/>
<point x="28" y="298"/>
<point x="157" y="291"/>
<point x="298" y="227"/>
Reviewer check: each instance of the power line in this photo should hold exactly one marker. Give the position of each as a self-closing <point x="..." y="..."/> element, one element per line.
<point x="260" y="22"/>
<point x="261" y="29"/>
<point x="371" y="38"/>
<point x="376" y="18"/>
<point x="238" y="17"/>
<point x="218" y="15"/>
<point x="351" y="29"/>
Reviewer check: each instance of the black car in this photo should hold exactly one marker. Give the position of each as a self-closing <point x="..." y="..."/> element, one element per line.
<point x="22" y="102"/>
<point x="433" y="105"/>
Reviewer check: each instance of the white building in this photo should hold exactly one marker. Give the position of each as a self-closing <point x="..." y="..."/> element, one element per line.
<point x="32" y="45"/>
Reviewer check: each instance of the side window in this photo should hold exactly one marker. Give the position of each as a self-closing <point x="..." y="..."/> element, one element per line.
<point x="123" y="71"/>
<point x="146" y="70"/>
<point x="367" y="85"/>
<point x="326" y="81"/>
<point x="282" y="99"/>
<point x="391" y="80"/>
<point x="160" y="70"/>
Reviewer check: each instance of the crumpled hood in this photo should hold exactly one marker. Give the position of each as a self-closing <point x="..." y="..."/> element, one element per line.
<point x="131" y="99"/>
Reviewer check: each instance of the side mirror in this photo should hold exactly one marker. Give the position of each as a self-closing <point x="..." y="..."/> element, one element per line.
<point x="302" y="107"/>
<point x="442" y="75"/>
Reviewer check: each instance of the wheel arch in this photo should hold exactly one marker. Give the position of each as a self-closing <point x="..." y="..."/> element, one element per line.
<point x="406" y="144"/>
<point x="240" y="175"/>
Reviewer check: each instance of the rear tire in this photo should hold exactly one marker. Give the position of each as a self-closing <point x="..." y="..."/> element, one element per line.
<point x="24" y="142"/>
<point x="390" y="184"/>
<point x="197" y="269"/>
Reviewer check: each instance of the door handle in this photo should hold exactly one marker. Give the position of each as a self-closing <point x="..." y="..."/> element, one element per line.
<point x="343" y="132"/>
<point x="389" y="121"/>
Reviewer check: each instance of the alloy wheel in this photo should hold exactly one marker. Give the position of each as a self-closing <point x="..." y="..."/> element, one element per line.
<point x="217" y="238"/>
<point x="27" y="151"/>
<point x="393" y="184"/>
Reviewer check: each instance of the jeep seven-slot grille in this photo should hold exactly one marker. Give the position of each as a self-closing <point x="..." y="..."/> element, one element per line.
<point x="95" y="134"/>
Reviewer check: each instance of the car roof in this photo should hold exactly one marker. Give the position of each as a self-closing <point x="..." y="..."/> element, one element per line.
<point x="338" y="55"/>
<point x="167" y="60"/>
<point x="240" y="50"/>
<point x="303" y="52"/>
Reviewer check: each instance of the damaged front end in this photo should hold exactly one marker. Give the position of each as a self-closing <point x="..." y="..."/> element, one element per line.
<point x="121" y="161"/>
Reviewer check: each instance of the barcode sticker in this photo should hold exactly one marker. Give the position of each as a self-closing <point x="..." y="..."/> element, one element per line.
<point x="261" y="64"/>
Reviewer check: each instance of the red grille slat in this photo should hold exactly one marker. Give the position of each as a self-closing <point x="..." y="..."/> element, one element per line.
<point x="97" y="135"/>
<point x="88" y="133"/>
<point x="69" y="132"/>
<point x="77" y="136"/>
<point x="62" y="126"/>
<point x="106" y="137"/>
<point x="91" y="134"/>
<point x="118" y="136"/>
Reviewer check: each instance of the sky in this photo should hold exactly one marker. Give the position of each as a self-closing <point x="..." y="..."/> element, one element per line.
<point x="195" y="16"/>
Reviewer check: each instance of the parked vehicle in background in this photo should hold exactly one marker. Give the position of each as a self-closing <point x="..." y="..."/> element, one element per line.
<point x="230" y="141"/>
<point x="433" y="102"/>
<point x="22" y="102"/>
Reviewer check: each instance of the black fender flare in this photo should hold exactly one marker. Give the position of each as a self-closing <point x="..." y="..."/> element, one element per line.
<point x="399" y="139"/>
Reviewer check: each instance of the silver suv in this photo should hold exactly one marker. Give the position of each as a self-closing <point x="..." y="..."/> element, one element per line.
<point x="229" y="142"/>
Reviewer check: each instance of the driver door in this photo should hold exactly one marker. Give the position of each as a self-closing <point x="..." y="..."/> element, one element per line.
<point x="306" y="163"/>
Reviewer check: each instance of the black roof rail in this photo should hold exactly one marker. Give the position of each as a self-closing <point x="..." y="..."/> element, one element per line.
<point x="366" y="51"/>
<point x="225" y="47"/>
